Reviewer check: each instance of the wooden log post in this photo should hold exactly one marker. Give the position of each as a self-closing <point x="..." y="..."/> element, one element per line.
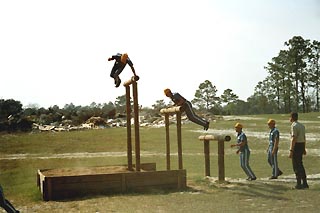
<point x="133" y="82"/>
<point x="166" y="120"/>
<point x="221" y="139"/>
<point x="129" y="139"/>
<point x="167" y="112"/>
<point x="179" y="139"/>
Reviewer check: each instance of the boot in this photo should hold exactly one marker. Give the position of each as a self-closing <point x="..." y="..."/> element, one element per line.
<point x="305" y="184"/>
<point x="299" y="185"/>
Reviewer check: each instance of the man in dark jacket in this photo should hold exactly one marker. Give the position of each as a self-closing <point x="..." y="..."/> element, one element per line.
<point x="178" y="100"/>
<point x="121" y="60"/>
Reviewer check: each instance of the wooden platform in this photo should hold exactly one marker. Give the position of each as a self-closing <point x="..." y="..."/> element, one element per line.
<point x="58" y="184"/>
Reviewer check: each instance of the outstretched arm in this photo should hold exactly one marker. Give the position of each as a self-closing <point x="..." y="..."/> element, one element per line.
<point x="133" y="71"/>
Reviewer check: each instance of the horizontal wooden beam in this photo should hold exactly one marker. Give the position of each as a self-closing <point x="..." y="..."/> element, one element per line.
<point x="215" y="137"/>
<point x="133" y="79"/>
<point x="171" y="110"/>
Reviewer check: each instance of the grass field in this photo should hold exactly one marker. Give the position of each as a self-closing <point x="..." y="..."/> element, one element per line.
<point x="21" y="155"/>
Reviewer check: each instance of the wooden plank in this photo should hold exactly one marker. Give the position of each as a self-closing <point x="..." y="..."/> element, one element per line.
<point x="161" y="178"/>
<point x="61" y="187"/>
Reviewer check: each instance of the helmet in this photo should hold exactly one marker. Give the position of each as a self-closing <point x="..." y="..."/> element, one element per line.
<point x="238" y="125"/>
<point x="167" y="91"/>
<point x="271" y="121"/>
<point x="124" y="57"/>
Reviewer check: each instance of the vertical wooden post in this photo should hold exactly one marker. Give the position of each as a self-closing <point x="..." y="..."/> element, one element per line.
<point x="129" y="140"/>
<point x="221" y="160"/>
<point x="136" y="124"/>
<point x="178" y="114"/>
<point x="207" y="157"/>
<point x="166" y="118"/>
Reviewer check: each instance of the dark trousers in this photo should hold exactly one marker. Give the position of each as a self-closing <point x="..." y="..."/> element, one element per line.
<point x="5" y="204"/>
<point x="116" y="70"/>
<point x="187" y="107"/>
<point x="297" y="163"/>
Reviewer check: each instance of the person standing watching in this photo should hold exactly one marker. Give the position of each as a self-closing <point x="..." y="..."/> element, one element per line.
<point x="297" y="150"/>
<point x="274" y="137"/>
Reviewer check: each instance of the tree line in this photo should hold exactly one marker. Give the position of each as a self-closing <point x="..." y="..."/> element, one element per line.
<point x="292" y="84"/>
<point x="293" y="80"/>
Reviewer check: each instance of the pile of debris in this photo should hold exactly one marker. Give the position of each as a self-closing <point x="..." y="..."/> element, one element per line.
<point x="101" y="123"/>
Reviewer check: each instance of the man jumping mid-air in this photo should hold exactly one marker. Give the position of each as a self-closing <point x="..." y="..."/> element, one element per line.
<point x="121" y="61"/>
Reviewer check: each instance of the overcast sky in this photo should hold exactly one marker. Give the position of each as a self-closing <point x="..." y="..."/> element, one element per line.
<point x="55" y="52"/>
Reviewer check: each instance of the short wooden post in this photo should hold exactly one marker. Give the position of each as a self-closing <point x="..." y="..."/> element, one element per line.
<point x="221" y="160"/>
<point x="206" y="151"/>
<point x="221" y="139"/>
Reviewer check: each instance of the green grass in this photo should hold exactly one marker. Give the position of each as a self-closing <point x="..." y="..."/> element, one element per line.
<point x="18" y="176"/>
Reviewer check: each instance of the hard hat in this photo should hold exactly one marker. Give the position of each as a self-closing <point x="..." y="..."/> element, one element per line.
<point x="238" y="125"/>
<point x="124" y="57"/>
<point x="271" y="121"/>
<point x="167" y="91"/>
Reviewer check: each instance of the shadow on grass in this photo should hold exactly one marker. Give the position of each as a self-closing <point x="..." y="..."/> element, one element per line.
<point x="261" y="190"/>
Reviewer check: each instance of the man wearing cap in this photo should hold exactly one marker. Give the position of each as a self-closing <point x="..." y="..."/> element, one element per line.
<point x="244" y="151"/>
<point x="297" y="150"/>
<point x="121" y="60"/>
<point x="272" y="151"/>
<point x="186" y="106"/>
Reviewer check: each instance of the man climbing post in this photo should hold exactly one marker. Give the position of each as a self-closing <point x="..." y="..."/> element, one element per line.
<point x="121" y="60"/>
<point x="186" y="106"/>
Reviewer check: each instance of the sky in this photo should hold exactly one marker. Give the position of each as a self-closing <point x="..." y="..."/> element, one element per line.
<point x="55" y="52"/>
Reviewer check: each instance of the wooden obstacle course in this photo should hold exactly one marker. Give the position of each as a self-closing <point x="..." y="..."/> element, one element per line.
<point x="139" y="177"/>
<point x="221" y="139"/>
<point x="167" y="112"/>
